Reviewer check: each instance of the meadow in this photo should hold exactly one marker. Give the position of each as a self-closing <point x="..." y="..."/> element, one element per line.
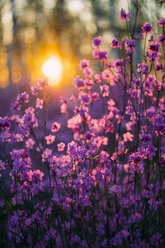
<point x="105" y="187"/>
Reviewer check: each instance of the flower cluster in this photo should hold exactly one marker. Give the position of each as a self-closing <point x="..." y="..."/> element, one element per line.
<point x="106" y="186"/>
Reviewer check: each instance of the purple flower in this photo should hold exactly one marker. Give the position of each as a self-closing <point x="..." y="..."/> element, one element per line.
<point x="63" y="107"/>
<point x="88" y="72"/>
<point x="137" y="83"/>
<point x="55" y="127"/>
<point x="88" y="83"/>
<point x="150" y="80"/>
<point x="79" y="82"/>
<point x="97" y="41"/>
<point x="5" y="123"/>
<point x="94" y="96"/>
<point x="21" y="98"/>
<point x="34" y="90"/>
<point x="162" y="104"/>
<point x="98" y="78"/>
<point x="150" y="112"/>
<point x="50" y="139"/>
<point x="95" y="53"/>
<point x="36" y="176"/>
<point x="159" y="126"/>
<point x="154" y="47"/>
<point x="28" y="120"/>
<point x="156" y="239"/>
<point x="119" y="238"/>
<point x="129" y="46"/>
<point x="120" y="63"/>
<point x="162" y="22"/>
<point x="61" y="146"/>
<point x="158" y="66"/>
<point x="154" y="56"/>
<point x="143" y="68"/>
<point x="146" y="138"/>
<point x="84" y="98"/>
<point x="2" y="167"/>
<point x="39" y="103"/>
<point x="161" y="39"/>
<point x="102" y="55"/>
<point x="30" y="143"/>
<point x="128" y="137"/>
<point x="104" y="89"/>
<point x="106" y="74"/>
<point x="84" y="64"/>
<point x="46" y="155"/>
<point x="88" y="135"/>
<point x="116" y="44"/>
<point x="124" y="16"/>
<point x="146" y="28"/>
<point x="135" y="218"/>
<point x="2" y="203"/>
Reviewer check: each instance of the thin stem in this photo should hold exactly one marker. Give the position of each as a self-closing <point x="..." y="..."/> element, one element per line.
<point x="45" y="112"/>
<point x="136" y="14"/>
<point x="163" y="47"/>
<point x="145" y="41"/>
<point x="35" y="137"/>
<point x="131" y="71"/>
<point x="128" y="30"/>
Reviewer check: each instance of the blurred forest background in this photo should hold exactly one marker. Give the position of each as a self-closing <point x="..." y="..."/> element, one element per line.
<point x="33" y="30"/>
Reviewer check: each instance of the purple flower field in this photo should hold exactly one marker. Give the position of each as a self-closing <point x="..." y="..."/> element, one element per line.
<point x="105" y="187"/>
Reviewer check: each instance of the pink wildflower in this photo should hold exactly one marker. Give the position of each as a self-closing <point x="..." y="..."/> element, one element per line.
<point x="55" y="127"/>
<point x="50" y="139"/>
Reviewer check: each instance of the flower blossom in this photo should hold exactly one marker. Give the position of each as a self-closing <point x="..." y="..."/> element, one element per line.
<point x="61" y="146"/>
<point x="162" y="22"/>
<point x="50" y="139"/>
<point x="104" y="89"/>
<point x="97" y="41"/>
<point x="116" y="44"/>
<point x="55" y="127"/>
<point x="84" y="64"/>
<point x="124" y="16"/>
<point x="146" y="28"/>
<point x="39" y="103"/>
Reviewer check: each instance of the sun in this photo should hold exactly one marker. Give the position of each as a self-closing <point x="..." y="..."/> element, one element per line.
<point x="52" y="68"/>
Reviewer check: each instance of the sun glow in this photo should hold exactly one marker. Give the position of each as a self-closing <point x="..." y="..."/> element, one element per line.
<point x="52" y="69"/>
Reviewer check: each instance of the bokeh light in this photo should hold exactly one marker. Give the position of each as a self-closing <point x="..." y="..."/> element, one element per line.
<point x="52" y="69"/>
